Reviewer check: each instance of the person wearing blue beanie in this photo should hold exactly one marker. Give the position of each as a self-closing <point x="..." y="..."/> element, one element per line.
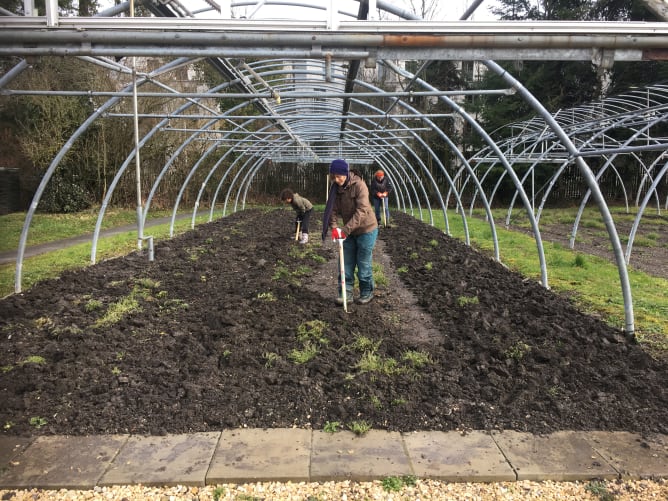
<point x="349" y="201"/>
<point x="339" y="167"/>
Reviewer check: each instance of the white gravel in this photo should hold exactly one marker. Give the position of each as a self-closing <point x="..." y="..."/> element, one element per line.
<point x="640" y="490"/>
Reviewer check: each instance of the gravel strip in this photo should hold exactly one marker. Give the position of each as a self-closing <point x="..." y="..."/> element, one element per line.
<point x="348" y="491"/>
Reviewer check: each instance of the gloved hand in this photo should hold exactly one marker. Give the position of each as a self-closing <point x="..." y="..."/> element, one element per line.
<point x="337" y="234"/>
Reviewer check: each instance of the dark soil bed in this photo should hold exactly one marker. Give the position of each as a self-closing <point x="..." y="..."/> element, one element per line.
<point x="213" y="326"/>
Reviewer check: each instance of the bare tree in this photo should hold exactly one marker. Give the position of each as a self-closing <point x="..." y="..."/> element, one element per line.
<point x="426" y="9"/>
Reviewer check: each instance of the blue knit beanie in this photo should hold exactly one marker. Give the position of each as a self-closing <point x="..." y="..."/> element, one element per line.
<point x="338" y="167"/>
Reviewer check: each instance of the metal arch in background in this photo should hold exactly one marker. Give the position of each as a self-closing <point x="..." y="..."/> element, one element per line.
<point x="249" y="178"/>
<point x="173" y="156"/>
<point x="575" y="130"/>
<point x="577" y="122"/>
<point x="211" y="149"/>
<point x="243" y="168"/>
<point x="398" y="175"/>
<point x="567" y="162"/>
<point x="595" y="113"/>
<point x="474" y="124"/>
<point x="397" y="172"/>
<point x="416" y="157"/>
<point x="587" y="173"/>
<point x="54" y="165"/>
<point x="49" y="173"/>
<point x="444" y="136"/>
<point x="211" y="171"/>
<point x="545" y="156"/>
<point x="641" y="210"/>
<point x="287" y="118"/>
<point x="121" y="170"/>
<point x="244" y="184"/>
<point x="378" y="141"/>
<point x="390" y="166"/>
<point x="598" y="175"/>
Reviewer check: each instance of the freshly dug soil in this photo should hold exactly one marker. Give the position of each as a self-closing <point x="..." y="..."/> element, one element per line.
<point x="209" y="337"/>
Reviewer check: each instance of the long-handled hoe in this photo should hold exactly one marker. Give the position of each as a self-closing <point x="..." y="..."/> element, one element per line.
<point x="342" y="273"/>
<point x="299" y="227"/>
<point x="385" y="212"/>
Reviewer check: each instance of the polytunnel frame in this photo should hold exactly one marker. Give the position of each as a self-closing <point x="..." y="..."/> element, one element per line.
<point x="575" y="128"/>
<point x="616" y="151"/>
<point x="399" y="179"/>
<point x="586" y="171"/>
<point x="386" y="164"/>
<point x="287" y="117"/>
<point x="390" y="169"/>
<point x="586" y="196"/>
<point x="483" y="134"/>
<point x="56" y="161"/>
<point x="434" y="127"/>
<point x="352" y="116"/>
<point x="155" y="129"/>
<point x="563" y="137"/>
<point x="190" y="174"/>
<point x="602" y="171"/>
<point x="519" y="158"/>
<point x="112" y="187"/>
<point x="175" y="154"/>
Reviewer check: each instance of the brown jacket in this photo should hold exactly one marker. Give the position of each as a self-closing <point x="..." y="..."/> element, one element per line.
<point x="353" y="206"/>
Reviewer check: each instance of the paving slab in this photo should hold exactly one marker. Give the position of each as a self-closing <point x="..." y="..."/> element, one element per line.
<point x="561" y="456"/>
<point x="345" y="456"/>
<point x="633" y="456"/>
<point x="456" y="457"/>
<point x="10" y="448"/>
<point x="62" y="462"/>
<point x="261" y="455"/>
<point x="163" y="461"/>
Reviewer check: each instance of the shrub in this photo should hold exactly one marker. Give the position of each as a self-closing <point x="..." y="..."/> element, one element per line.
<point x="64" y="196"/>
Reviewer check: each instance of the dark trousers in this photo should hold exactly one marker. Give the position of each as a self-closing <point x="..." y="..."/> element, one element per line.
<point x="304" y="219"/>
<point x="377" y="204"/>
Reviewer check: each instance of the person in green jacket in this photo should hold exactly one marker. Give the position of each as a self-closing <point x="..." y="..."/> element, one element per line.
<point x="303" y="208"/>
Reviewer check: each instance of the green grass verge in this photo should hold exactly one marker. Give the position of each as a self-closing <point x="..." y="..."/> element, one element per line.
<point x="52" y="264"/>
<point x="51" y="227"/>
